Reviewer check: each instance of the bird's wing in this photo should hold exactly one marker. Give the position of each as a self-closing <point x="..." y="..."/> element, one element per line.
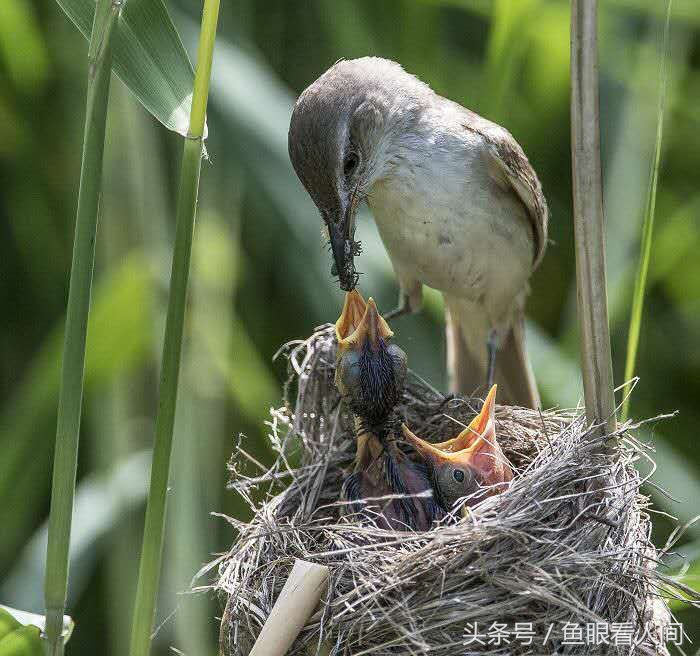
<point x="509" y="167"/>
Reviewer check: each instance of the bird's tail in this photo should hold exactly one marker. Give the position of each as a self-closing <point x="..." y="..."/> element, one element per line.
<point x="467" y="359"/>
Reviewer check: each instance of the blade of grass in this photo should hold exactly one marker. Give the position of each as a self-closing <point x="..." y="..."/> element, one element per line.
<point x="596" y="358"/>
<point x="648" y="225"/>
<point x="152" y="549"/>
<point x="71" y="394"/>
<point x="148" y="56"/>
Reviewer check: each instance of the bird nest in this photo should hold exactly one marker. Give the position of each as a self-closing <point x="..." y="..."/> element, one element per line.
<point x="561" y="562"/>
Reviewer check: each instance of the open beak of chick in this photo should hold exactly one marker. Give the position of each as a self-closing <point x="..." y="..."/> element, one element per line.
<point x="483" y="425"/>
<point x="473" y="460"/>
<point x="370" y="372"/>
<point x="360" y="323"/>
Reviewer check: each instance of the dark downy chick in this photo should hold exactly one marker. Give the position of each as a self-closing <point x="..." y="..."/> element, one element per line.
<point x="383" y="471"/>
<point x="370" y="375"/>
<point x="370" y="372"/>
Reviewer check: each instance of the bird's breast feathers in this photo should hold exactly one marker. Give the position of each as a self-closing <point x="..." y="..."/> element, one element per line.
<point x="445" y="223"/>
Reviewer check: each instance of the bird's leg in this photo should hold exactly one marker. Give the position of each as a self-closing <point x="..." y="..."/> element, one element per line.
<point x="403" y="308"/>
<point x="410" y="299"/>
<point x="363" y="456"/>
<point x="492" y="347"/>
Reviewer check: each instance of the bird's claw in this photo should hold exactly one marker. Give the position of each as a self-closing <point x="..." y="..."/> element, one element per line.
<point x="396" y="313"/>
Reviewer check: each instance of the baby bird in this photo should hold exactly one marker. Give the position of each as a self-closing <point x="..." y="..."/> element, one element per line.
<point x="370" y="373"/>
<point x="386" y="486"/>
<point x="470" y="465"/>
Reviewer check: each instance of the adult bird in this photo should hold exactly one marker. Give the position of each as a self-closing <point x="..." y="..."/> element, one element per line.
<point x="456" y="202"/>
<point x="386" y="486"/>
<point x="470" y="466"/>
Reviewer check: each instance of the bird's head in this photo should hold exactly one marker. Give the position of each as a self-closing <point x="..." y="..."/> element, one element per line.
<point x="457" y="472"/>
<point x="370" y="372"/>
<point x="340" y="142"/>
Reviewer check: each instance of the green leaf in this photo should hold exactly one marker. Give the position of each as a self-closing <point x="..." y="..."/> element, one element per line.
<point x="148" y="56"/>
<point x="25" y="641"/>
<point x="8" y="623"/>
<point x="18" y="620"/>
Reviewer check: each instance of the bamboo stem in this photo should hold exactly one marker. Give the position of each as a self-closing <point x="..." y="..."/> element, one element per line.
<point x="296" y="603"/>
<point x="152" y="549"/>
<point x="596" y="356"/>
<point x="78" y="308"/>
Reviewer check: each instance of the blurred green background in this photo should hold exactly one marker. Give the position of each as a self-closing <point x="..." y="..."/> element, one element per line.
<point x="261" y="276"/>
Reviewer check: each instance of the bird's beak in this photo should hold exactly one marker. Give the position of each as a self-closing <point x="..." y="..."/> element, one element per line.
<point x="436" y="458"/>
<point x="429" y="452"/>
<point x="371" y="328"/>
<point x="483" y="425"/>
<point x="353" y="310"/>
<point x="462" y="450"/>
<point x="482" y="454"/>
<point x="341" y="231"/>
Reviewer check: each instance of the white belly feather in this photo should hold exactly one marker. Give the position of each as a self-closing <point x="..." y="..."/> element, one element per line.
<point x="447" y="225"/>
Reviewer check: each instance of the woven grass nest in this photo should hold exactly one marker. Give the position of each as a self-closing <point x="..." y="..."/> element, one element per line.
<point x="568" y="542"/>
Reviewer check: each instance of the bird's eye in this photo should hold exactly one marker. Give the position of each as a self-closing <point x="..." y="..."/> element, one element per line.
<point x="458" y="475"/>
<point x="350" y="164"/>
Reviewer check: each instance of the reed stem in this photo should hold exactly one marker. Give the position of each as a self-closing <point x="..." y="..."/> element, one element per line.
<point x="78" y="308"/>
<point x="640" y="281"/>
<point x="152" y="549"/>
<point x="596" y="358"/>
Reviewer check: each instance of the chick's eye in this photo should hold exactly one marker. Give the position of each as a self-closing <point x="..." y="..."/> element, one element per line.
<point x="458" y="475"/>
<point x="350" y="164"/>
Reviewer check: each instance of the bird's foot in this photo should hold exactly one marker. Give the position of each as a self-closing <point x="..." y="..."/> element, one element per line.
<point x="403" y="308"/>
<point x="396" y="312"/>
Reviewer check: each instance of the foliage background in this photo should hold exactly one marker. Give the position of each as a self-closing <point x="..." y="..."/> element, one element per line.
<point x="260" y="274"/>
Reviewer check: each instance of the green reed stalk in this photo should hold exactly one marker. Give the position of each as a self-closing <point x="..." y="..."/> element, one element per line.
<point x="72" y="374"/>
<point x="152" y="549"/>
<point x="648" y="225"/>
